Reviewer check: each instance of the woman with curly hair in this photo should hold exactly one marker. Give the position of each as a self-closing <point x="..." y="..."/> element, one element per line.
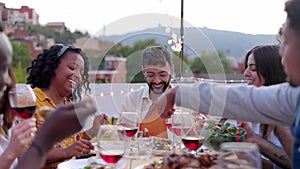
<point x="58" y="76"/>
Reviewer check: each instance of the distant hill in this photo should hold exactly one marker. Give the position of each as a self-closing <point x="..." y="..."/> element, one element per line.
<point x="196" y="40"/>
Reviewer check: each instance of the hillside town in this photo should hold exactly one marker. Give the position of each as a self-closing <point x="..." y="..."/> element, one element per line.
<point x="17" y="22"/>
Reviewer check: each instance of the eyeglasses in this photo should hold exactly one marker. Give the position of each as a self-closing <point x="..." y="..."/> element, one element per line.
<point x="152" y="76"/>
<point x="64" y="48"/>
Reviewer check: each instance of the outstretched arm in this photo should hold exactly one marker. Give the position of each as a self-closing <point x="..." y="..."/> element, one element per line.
<point x="163" y="106"/>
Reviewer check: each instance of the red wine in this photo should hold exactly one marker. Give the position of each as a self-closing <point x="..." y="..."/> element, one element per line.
<point x="169" y="126"/>
<point x="193" y="143"/>
<point x="130" y="131"/>
<point x="24" y="112"/>
<point x="111" y="156"/>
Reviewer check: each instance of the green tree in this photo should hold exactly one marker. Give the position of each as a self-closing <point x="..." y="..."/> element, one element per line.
<point x="214" y="62"/>
<point x="65" y="38"/>
<point x="133" y="55"/>
<point x="20" y="74"/>
<point x="21" y="60"/>
<point x="186" y="69"/>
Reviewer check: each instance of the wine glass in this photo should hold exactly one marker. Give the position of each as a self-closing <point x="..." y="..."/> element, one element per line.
<point x="239" y="155"/>
<point x="191" y="133"/>
<point x="22" y="101"/>
<point x="176" y="121"/>
<point x="111" y="141"/>
<point x="129" y="120"/>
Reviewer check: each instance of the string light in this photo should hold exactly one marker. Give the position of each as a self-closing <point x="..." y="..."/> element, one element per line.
<point x="189" y="80"/>
<point x="116" y="93"/>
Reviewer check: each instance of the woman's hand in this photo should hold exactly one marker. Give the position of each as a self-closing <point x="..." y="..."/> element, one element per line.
<point x="21" y="136"/>
<point x="81" y="147"/>
<point x="251" y="135"/>
<point x="99" y="120"/>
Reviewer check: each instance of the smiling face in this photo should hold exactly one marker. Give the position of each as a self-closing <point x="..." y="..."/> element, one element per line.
<point x="290" y="52"/>
<point x="251" y="73"/>
<point x="158" y="77"/>
<point x="68" y="73"/>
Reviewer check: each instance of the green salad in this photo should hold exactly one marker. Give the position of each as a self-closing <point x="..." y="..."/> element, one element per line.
<point x="217" y="134"/>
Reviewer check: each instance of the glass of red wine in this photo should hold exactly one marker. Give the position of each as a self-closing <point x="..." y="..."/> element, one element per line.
<point x="130" y="122"/>
<point x="22" y="100"/>
<point x="111" y="141"/>
<point x="191" y="133"/>
<point x="174" y="125"/>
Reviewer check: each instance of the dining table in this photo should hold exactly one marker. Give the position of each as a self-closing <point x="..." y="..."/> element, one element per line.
<point x="136" y="163"/>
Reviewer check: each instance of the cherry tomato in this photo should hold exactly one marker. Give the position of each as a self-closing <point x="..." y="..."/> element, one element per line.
<point x="237" y="133"/>
<point x="217" y="128"/>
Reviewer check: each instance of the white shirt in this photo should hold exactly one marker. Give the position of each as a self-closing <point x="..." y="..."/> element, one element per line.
<point x="4" y="143"/>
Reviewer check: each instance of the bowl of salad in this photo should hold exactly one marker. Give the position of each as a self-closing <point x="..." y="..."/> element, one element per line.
<point x="216" y="134"/>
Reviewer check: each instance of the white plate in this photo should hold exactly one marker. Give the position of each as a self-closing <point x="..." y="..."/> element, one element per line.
<point x="81" y="163"/>
<point x="141" y="166"/>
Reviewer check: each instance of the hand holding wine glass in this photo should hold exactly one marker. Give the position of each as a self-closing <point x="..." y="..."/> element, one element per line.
<point x="22" y="100"/>
<point x="111" y="141"/>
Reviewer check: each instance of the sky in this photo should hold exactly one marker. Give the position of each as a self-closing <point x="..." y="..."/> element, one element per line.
<point x="246" y="16"/>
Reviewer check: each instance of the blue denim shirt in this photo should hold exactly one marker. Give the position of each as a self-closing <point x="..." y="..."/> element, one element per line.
<point x="296" y="134"/>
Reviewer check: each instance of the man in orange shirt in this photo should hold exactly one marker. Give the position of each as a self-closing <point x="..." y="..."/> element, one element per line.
<point x="157" y="68"/>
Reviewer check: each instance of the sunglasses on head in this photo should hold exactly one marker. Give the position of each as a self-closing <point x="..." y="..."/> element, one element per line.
<point x="64" y="48"/>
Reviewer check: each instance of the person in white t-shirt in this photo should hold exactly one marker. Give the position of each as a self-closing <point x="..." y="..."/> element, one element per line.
<point x="263" y="68"/>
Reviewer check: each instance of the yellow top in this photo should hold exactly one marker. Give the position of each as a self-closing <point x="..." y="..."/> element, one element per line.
<point x="43" y="100"/>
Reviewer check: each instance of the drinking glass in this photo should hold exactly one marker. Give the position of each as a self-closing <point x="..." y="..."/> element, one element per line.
<point x="191" y="133"/>
<point x="111" y="141"/>
<point x="239" y="155"/>
<point x="129" y="120"/>
<point x="22" y="100"/>
<point x="175" y="128"/>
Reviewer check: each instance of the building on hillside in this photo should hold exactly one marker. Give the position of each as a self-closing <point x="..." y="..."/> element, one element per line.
<point x="59" y="27"/>
<point x="31" y="15"/>
<point x="36" y="42"/>
<point x="93" y="46"/>
<point x="18" y="17"/>
<point x="114" y="71"/>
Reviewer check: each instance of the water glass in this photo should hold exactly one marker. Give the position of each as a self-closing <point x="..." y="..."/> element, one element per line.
<point x="145" y="145"/>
